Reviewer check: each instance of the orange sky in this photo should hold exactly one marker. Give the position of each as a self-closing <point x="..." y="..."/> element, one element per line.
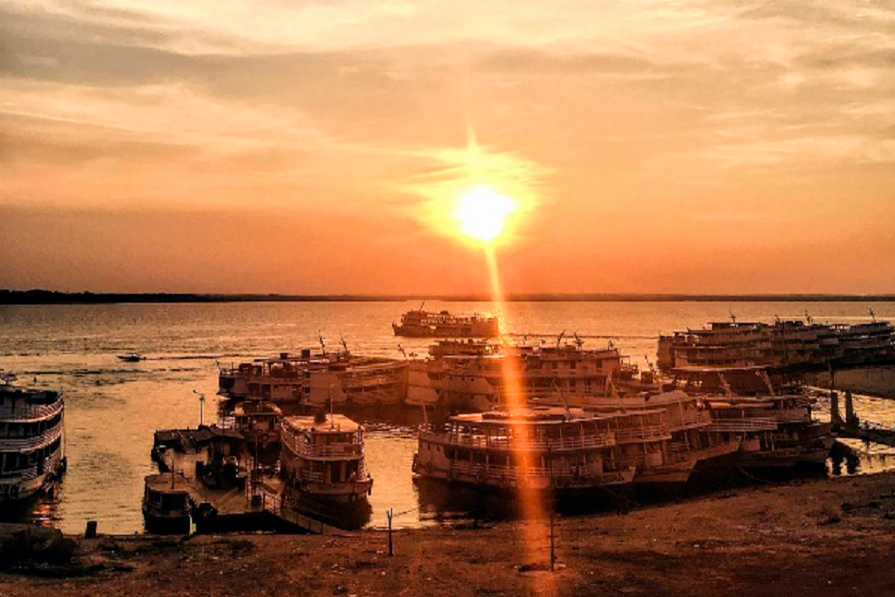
<point x="309" y="147"/>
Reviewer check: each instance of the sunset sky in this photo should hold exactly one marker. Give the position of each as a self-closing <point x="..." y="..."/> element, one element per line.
<point x="316" y="146"/>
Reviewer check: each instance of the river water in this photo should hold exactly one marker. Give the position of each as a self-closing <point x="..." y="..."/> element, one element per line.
<point x="112" y="408"/>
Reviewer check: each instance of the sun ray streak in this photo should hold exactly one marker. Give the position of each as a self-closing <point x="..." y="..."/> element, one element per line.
<point x="533" y="509"/>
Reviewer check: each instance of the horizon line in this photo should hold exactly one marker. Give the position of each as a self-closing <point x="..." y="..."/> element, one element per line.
<point x="41" y="296"/>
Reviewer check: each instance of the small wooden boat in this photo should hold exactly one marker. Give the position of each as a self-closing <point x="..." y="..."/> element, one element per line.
<point x="166" y="504"/>
<point x="132" y="357"/>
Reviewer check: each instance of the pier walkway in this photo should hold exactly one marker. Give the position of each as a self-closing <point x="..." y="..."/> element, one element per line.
<point x="274" y="502"/>
<point x="853" y="428"/>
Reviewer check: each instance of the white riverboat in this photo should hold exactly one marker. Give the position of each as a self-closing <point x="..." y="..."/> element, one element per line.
<point x="429" y="324"/>
<point x="322" y="458"/>
<point x="541" y="448"/>
<point x="32" y="442"/>
<point x="312" y="381"/>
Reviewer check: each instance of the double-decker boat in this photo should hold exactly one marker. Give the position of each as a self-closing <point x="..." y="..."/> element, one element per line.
<point x="32" y="445"/>
<point x="665" y="435"/>
<point x="322" y="458"/>
<point x="314" y="380"/>
<point x="479" y="382"/>
<point x="783" y="344"/>
<point x="775" y="428"/>
<point x="541" y="448"/>
<point x="420" y="323"/>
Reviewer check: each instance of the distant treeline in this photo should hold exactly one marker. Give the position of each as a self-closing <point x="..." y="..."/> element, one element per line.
<point x="45" y="297"/>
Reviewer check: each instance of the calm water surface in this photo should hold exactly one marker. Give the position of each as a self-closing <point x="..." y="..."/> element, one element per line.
<point x="112" y="408"/>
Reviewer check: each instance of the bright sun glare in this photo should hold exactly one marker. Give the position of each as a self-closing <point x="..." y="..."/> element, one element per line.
<point x="483" y="212"/>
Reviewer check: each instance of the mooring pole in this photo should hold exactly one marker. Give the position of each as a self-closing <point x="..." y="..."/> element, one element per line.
<point x="552" y="545"/>
<point x="391" y="549"/>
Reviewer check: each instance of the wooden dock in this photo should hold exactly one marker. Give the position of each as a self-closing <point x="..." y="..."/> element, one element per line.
<point x="853" y="428"/>
<point x="257" y="506"/>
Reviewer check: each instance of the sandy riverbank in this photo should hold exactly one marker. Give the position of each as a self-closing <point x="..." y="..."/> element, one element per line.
<point x="818" y="537"/>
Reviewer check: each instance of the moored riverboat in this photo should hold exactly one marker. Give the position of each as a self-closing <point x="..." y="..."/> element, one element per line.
<point x="539" y="448"/>
<point x="774" y="424"/>
<point x="793" y="345"/>
<point x="32" y="441"/>
<point x="310" y="381"/>
<point x="166" y="504"/>
<point x="322" y="458"/>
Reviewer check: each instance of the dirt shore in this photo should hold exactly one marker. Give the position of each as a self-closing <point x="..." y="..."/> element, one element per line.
<point x="819" y="538"/>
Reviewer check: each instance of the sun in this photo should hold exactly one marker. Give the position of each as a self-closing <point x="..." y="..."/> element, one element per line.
<point x="482" y="212"/>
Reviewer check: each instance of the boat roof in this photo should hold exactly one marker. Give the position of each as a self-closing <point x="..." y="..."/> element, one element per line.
<point x="538" y="415"/>
<point x="332" y="423"/>
<point x="257" y="408"/>
<point x="162" y="483"/>
<point x="719" y="369"/>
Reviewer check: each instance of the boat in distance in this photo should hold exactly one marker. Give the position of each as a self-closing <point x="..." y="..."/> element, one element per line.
<point x="430" y="324"/>
<point x="32" y="446"/>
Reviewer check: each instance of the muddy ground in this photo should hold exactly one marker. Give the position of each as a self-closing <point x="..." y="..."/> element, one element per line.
<point x="819" y="538"/>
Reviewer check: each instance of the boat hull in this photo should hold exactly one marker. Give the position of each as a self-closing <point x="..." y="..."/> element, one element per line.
<point x="166" y="525"/>
<point x="13" y="491"/>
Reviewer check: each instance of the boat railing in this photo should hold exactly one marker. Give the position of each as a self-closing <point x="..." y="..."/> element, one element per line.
<point x="747" y="424"/>
<point x="342" y="450"/>
<point x="485" y="471"/>
<point x="651" y="432"/>
<point x="600" y="440"/>
<point x="22" y="444"/>
<point x="319" y="477"/>
<point x="679" y="447"/>
<point x="31" y="472"/>
<point x="793" y="415"/>
<point x="690" y="419"/>
<point x="31" y="411"/>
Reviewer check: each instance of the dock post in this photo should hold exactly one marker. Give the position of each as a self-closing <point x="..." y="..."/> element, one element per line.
<point x="391" y="514"/>
<point x="552" y="544"/>
<point x="851" y="419"/>
<point x="835" y="417"/>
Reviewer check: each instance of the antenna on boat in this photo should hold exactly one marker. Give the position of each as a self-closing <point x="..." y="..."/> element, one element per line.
<point x="767" y="382"/>
<point x="331" y="422"/>
<point x="560" y="337"/>
<point x="201" y="407"/>
<point x="733" y="317"/>
<point x="649" y="364"/>
<point x="322" y="341"/>
<point x="422" y="304"/>
<point x="344" y="344"/>
<point x="872" y="315"/>
<point x="562" y="398"/>
<point x="578" y="341"/>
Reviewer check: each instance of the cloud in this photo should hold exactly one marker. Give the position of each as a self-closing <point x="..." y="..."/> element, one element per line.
<point x="636" y="118"/>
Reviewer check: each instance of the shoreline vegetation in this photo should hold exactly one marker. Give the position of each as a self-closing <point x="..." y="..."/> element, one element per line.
<point x="52" y="297"/>
<point x="819" y="537"/>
